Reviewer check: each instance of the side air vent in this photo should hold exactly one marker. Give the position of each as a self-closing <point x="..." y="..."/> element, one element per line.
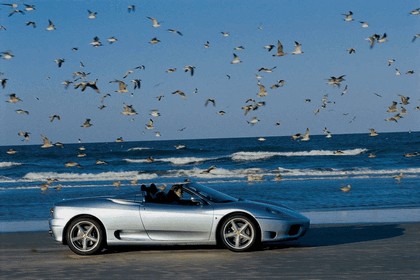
<point x="293" y="230"/>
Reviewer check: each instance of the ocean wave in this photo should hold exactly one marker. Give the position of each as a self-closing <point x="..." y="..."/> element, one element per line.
<point x="220" y="173"/>
<point x="85" y="177"/>
<point x="173" y="160"/>
<point x="7" y="164"/>
<point x="291" y="174"/>
<point x="366" y="172"/>
<point x="249" y="156"/>
<point x="216" y="173"/>
<point x="138" y="149"/>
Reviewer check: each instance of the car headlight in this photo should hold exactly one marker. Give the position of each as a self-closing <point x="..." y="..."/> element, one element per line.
<point x="272" y="211"/>
<point x="278" y="213"/>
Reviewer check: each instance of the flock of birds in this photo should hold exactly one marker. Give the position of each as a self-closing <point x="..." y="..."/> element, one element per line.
<point x="81" y="79"/>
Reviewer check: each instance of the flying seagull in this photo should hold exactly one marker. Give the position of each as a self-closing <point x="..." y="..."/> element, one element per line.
<point x="155" y="23"/>
<point x="280" y="51"/>
<point x="122" y="86"/>
<point x="298" y="48"/>
<point x="235" y="59"/>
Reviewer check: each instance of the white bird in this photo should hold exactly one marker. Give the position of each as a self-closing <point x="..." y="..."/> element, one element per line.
<point x="298" y="48"/>
<point x="235" y="59"/>
<point x="150" y="124"/>
<point x="50" y="26"/>
<point x="7" y="55"/>
<point x="96" y="42"/>
<point x="306" y="136"/>
<point x="155" y="23"/>
<point x="22" y="112"/>
<point x="348" y="17"/>
<point x="373" y="132"/>
<point x="155" y="113"/>
<point x="364" y="24"/>
<point x="112" y="40"/>
<point x="92" y="15"/>
<point x="346" y="188"/>
<point x="46" y="143"/>
<point x="415" y="12"/>
<point x="253" y="121"/>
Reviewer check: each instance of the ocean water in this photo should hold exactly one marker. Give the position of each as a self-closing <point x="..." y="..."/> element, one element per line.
<point x="304" y="175"/>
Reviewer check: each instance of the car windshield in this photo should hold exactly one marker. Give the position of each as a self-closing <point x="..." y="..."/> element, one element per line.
<point x="211" y="194"/>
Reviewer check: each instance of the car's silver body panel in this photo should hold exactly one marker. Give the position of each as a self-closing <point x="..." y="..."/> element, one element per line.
<point x="131" y="220"/>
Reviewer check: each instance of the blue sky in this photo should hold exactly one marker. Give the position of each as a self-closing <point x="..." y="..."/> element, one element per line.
<point x="319" y="26"/>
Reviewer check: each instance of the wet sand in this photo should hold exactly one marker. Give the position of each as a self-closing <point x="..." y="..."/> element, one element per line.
<point x="358" y="251"/>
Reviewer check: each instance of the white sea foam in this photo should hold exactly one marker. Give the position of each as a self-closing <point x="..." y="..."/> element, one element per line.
<point x="249" y="156"/>
<point x="138" y="149"/>
<point x="365" y="172"/>
<point x="173" y="160"/>
<point x="7" y="164"/>
<point x="85" y="177"/>
<point x="216" y="173"/>
<point x="135" y="160"/>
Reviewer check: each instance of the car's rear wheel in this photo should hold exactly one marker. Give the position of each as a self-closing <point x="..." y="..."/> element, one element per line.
<point x="239" y="233"/>
<point x="85" y="236"/>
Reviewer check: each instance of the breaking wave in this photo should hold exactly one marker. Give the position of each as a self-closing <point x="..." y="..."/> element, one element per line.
<point x="173" y="160"/>
<point x="86" y="177"/>
<point x="7" y="164"/>
<point x="249" y="156"/>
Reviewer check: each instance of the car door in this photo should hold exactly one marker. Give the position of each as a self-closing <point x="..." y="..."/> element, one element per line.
<point x="177" y="222"/>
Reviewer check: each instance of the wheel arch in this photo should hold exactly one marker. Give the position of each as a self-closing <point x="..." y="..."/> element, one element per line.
<point x="227" y="216"/>
<point x="84" y="216"/>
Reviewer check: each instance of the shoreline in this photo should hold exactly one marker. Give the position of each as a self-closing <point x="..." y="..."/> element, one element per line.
<point x="330" y="217"/>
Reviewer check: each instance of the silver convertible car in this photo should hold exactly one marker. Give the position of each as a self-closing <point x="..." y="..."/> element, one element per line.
<point x="188" y="214"/>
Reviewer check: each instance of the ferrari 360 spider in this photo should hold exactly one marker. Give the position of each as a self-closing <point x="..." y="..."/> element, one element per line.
<point x="186" y="214"/>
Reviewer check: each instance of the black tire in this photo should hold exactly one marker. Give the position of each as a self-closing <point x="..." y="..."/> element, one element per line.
<point x="239" y="233"/>
<point x="85" y="236"/>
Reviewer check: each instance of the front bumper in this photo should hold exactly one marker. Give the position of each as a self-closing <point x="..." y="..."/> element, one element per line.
<point x="280" y="230"/>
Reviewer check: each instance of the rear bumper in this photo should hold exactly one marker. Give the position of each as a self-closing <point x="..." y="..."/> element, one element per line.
<point x="56" y="229"/>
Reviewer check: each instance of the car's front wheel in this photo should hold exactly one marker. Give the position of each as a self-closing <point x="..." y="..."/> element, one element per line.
<point x="85" y="236"/>
<point x="239" y="233"/>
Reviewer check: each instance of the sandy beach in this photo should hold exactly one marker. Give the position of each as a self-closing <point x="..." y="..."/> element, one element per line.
<point x="352" y="251"/>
